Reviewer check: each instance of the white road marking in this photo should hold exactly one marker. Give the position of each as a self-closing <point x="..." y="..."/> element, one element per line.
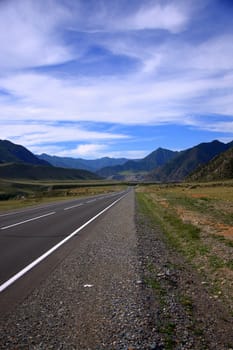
<point x="28" y="209"/>
<point x="50" y="251"/>
<point x="92" y="200"/>
<point x="23" y="222"/>
<point x="74" y="206"/>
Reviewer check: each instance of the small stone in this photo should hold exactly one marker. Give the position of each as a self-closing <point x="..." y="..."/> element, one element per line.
<point x="139" y="282"/>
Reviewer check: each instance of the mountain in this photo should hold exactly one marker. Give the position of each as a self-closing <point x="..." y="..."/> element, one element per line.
<point x="187" y="161"/>
<point x="10" y="152"/>
<point x="153" y="160"/>
<point x="17" y="162"/>
<point x="40" y="172"/>
<point x="79" y="163"/>
<point x="219" y="168"/>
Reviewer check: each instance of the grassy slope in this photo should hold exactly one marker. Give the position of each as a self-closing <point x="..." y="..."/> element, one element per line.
<point x="38" y="172"/>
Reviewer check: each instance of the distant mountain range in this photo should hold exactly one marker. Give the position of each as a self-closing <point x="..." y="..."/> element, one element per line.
<point x="17" y="162"/>
<point x="141" y="166"/>
<point x="206" y="161"/>
<point x="79" y="163"/>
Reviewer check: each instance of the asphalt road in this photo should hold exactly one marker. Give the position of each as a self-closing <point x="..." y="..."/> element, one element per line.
<point x="28" y="235"/>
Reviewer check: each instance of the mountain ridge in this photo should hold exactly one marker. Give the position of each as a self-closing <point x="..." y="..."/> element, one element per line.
<point x="17" y="162"/>
<point x="11" y="152"/>
<point x="161" y="165"/>
<point x="81" y="163"/>
<point x="187" y="161"/>
<point x="152" y="160"/>
<point x="219" y="168"/>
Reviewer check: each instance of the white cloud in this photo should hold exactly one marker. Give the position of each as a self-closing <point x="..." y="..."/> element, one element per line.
<point x="28" y="34"/>
<point x="215" y="54"/>
<point x="93" y="151"/>
<point x="116" y="16"/>
<point x="90" y="150"/>
<point x="131" y="154"/>
<point x="137" y="100"/>
<point x="169" y="16"/>
<point x="35" y="134"/>
<point x="225" y="127"/>
<point x="176" y="77"/>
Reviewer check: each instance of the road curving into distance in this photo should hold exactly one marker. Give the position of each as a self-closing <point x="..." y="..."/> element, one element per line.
<point x="30" y="236"/>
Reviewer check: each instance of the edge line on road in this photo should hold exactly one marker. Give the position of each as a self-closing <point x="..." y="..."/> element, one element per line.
<point x="26" y="269"/>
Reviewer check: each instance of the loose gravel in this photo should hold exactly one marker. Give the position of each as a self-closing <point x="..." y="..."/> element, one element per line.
<point x="121" y="287"/>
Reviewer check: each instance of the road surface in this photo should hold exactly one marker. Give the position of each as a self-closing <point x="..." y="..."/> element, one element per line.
<point x="29" y="236"/>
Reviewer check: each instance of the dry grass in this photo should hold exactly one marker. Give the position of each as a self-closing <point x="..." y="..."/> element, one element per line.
<point x="21" y="194"/>
<point x="198" y="222"/>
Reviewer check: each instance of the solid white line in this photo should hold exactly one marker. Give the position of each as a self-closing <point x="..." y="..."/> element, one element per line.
<point x="50" y="251"/>
<point x="32" y="219"/>
<point x="74" y="206"/>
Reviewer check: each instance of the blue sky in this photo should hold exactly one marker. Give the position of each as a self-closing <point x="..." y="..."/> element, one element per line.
<point x="93" y="78"/>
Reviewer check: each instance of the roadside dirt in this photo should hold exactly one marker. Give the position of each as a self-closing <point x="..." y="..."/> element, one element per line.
<point x="186" y="314"/>
<point x="206" y="223"/>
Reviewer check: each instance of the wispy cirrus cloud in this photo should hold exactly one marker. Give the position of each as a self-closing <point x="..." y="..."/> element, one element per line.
<point x="34" y="135"/>
<point x="60" y="64"/>
<point x="134" y="101"/>
<point x="169" y="16"/>
<point x="29" y="34"/>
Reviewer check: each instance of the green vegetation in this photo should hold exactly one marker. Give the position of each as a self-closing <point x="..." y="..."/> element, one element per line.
<point x="24" y="171"/>
<point x="169" y="331"/>
<point x="184" y="237"/>
<point x="187" y="303"/>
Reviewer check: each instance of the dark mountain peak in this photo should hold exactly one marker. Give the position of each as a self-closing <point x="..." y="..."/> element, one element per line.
<point x="187" y="161"/>
<point x="17" y="162"/>
<point x="216" y="142"/>
<point x="11" y="152"/>
<point x="153" y="160"/>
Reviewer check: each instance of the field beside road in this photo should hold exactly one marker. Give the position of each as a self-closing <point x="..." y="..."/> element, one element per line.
<point x="19" y="194"/>
<point x="197" y="223"/>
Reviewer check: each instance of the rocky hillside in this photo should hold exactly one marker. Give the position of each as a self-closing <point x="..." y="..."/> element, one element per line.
<point x="219" y="168"/>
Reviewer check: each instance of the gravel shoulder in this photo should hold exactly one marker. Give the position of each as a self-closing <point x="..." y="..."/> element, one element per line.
<point x="121" y="287"/>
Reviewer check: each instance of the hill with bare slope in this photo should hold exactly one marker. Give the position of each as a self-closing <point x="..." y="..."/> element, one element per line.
<point x="219" y="168"/>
